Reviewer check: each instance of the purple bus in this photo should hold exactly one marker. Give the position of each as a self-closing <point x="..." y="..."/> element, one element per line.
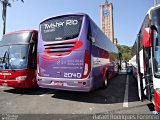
<point x="74" y="54"/>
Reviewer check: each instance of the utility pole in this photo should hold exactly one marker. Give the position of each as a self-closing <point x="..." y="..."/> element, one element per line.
<point x="4" y="11"/>
<point x="155" y="2"/>
<point x="5" y="4"/>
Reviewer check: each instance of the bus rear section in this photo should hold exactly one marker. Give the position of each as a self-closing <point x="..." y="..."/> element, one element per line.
<point x="18" y="59"/>
<point x="74" y="54"/>
<point x="64" y="54"/>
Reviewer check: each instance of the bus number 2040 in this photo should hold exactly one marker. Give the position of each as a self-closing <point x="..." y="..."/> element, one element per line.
<point x="72" y="75"/>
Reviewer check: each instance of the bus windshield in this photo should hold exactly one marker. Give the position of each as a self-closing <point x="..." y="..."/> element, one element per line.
<point x="23" y="37"/>
<point x="13" y="57"/>
<point x="156" y="59"/>
<point x="61" y="28"/>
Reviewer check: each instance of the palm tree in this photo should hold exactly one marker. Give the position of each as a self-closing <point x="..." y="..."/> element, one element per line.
<point x="5" y="4"/>
<point x="155" y="2"/>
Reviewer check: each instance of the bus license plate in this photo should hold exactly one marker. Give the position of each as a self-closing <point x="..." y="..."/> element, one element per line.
<point x="5" y="84"/>
<point x="58" y="83"/>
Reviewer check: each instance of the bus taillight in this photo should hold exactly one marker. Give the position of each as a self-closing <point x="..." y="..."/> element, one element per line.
<point x="38" y="72"/>
<point x="86" y="64"/>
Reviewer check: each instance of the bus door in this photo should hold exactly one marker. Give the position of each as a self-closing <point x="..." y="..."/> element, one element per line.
<point x="147" y="49"/>
<point x="147" y="72"/>
<point x="139" y="73"/>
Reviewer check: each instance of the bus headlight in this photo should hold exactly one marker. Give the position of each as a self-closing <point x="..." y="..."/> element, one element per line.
<point x="21" y="77"/>
<point x="158" y="90"/>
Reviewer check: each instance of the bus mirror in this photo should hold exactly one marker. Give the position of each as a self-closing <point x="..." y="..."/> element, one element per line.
<point x="35" y="36"/>
<point x="93" y="39"/>
<point x="154" y="28"/>
<point x="33" y="66"/>
<point x="147" y="37"/>
<point x="157" y="42"/>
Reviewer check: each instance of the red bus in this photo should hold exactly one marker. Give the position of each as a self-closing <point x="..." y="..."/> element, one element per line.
<point x="146" y="55"/>
<point x="18" y="59"/>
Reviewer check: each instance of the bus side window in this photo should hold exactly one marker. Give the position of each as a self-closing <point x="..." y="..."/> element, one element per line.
<point x="89" y="35"/>
<point x="92" y="32"/>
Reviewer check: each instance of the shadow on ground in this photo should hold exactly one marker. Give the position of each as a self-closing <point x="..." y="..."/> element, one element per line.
<point x="114" y="93"/>
<point x="151" y="106"/>
<point x="30" y="91"/>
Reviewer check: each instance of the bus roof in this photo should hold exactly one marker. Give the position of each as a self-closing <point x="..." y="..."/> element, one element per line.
<point x="19" y="31"/>
<point x="63" y="15"/>
<point x="152" y="8"/>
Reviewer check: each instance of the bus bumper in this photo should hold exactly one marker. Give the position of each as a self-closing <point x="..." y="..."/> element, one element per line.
<point x="84" y="85"/>
<point x="157" y="100"/>
<point x="14" y="83"/>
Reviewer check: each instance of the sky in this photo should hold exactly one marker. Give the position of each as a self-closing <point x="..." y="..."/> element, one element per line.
<point x="128" y="14"/>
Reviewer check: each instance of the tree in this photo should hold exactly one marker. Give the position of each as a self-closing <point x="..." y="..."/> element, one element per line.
<point x="125" y="51"/>
<point x="5" y="4"/>
<point x="155" y="2"/>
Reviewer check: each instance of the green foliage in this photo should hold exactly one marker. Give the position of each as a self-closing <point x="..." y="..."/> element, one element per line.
<point x="125" y="51"/>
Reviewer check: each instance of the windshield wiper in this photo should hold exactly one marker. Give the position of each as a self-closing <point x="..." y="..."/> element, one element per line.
<point x="6" y="60"/>
<point x="1" y="59"/>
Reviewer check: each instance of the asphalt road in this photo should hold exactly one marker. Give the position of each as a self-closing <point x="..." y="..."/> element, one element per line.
<point x="120" y="97"/>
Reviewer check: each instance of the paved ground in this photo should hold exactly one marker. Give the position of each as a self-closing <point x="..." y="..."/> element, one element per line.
<point x="120" y="97"/>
